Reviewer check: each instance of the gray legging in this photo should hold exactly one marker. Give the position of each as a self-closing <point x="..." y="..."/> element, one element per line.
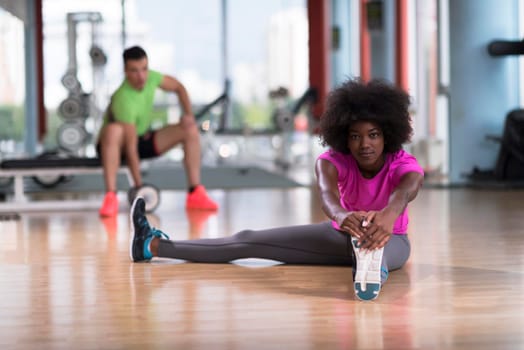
<point x="315" y="244"/>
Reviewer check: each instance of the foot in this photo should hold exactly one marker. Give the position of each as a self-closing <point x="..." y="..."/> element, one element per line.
<point x="109" y="206"/>
<point x="198" y="199"/>
<point x="141" y="232"/>
<point x="368" y="275"/>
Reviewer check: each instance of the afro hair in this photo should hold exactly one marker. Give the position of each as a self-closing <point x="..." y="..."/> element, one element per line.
<point x="378" y="102"/>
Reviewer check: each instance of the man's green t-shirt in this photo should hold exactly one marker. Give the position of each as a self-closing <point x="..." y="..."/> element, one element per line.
<point x="129" y="105"/>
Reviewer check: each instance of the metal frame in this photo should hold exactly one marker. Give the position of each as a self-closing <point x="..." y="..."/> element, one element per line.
<point x="19" y="201"/>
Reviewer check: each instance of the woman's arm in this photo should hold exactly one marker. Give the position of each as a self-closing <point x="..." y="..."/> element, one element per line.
<point x="379" y="224"/>
<point x="327" y="183"/>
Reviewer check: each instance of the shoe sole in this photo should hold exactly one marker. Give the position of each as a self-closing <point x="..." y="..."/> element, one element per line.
<point x="106" y="214"/>
<point x="109" y="213"/>
<point x="132" y="224"/>
<point x="200" y="207"/>
<point x="367" y="280"/>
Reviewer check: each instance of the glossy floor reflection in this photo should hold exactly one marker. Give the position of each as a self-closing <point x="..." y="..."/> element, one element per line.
<point x="66" y="281"/>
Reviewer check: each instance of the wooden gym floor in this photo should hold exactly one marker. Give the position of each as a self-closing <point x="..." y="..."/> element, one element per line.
<point x="66" y="281"/>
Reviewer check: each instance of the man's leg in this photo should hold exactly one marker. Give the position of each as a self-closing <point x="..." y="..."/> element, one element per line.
<point x="111" y="141"/>
<point x="117" y="139"/>
<point x="188" y="135"/>
<point x="109" y="147"/>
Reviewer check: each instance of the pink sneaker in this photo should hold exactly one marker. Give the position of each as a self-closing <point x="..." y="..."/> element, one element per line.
<point x="198" y="199"/>
<point x="110" y="205"/>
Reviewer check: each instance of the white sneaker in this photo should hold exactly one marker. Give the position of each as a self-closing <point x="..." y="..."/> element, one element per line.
<point x="367" y="277"/>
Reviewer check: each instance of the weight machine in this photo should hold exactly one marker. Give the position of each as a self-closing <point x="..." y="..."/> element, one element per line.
<point x="72" y="135"/>
<point x="213" y="120"/>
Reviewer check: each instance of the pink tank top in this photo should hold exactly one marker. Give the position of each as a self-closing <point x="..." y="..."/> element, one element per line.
<point x="358" y="193"/>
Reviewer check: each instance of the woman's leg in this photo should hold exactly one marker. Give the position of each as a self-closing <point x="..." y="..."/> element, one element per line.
<point x="396" y="252"/>
<point x="305" y="244"/>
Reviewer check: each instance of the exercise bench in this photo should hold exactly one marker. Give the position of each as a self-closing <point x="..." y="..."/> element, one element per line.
<point x="18" y="169"/>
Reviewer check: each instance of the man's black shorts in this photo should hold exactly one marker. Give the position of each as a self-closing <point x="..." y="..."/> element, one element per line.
<point x="146" y="146"/>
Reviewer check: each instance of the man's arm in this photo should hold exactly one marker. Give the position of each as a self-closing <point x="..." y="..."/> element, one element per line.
<point x="170" y="83"/>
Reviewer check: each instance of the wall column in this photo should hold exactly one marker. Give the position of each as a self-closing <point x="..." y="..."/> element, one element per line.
<point x="483" y="89"/>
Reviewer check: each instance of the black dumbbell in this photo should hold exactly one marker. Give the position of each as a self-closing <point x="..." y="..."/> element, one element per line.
<point x="150" y="193"/>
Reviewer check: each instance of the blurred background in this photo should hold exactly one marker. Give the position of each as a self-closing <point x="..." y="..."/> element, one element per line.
<point x="258" y="73"/>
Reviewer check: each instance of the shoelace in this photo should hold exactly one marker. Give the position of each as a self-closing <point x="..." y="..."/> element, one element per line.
<point x="157" y="233"/>
<point x="384" y="274"/>
<point x="143" y="223"/>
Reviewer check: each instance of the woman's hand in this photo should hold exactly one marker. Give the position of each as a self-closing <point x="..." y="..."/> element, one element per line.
<point x="351" y="222"/>
<point x="377" y="228"/>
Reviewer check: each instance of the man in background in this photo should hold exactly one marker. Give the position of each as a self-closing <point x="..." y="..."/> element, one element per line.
<point x="126" y="132"/>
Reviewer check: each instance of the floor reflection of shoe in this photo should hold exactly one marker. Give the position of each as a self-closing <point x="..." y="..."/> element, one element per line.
<point x="369" y="329"/>
<point x="141" y="232"/>
<point x="197" y="219"/>
<point x="198" y="199"/>
<point x="368" y="277"/>
<point x="110" y="225"/>
<point x="109" y="205"/>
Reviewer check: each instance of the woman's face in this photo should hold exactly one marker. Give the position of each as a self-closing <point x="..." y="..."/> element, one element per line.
<point x="366" y="144"/>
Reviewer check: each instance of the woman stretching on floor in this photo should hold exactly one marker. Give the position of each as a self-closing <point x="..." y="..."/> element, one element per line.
<point x="365" y="180"/>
